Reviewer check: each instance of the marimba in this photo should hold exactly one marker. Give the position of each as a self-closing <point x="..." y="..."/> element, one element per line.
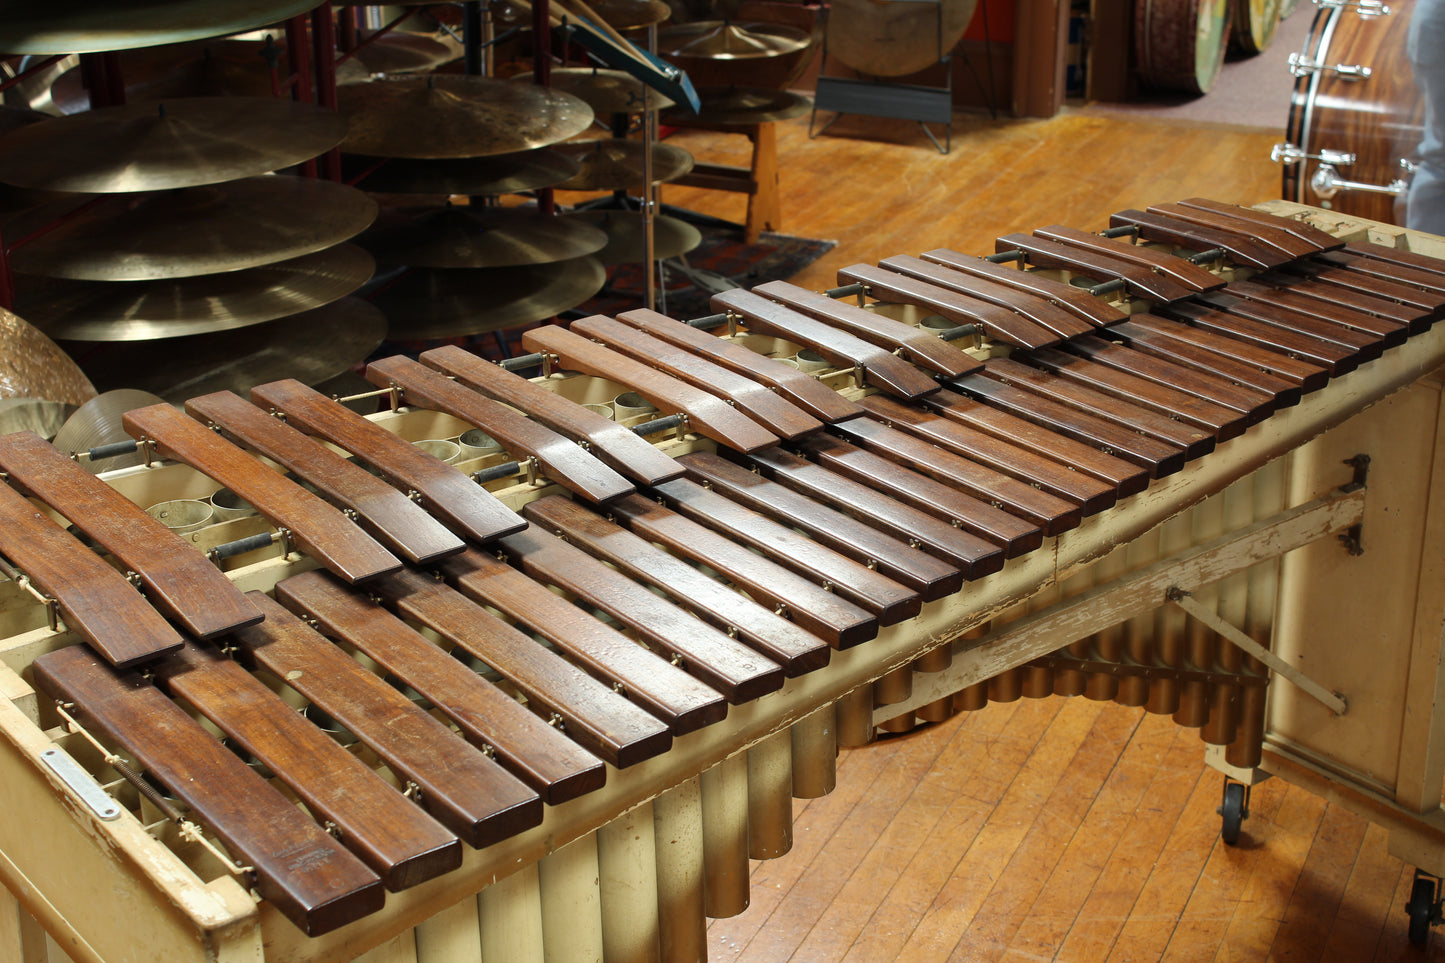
<point x="547" y="709"/>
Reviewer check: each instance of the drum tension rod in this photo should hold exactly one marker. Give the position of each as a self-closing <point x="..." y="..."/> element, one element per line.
<point x="1333" y="701"/>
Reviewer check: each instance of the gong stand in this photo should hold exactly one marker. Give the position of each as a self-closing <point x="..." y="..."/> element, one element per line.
<point x="881" y="98"/>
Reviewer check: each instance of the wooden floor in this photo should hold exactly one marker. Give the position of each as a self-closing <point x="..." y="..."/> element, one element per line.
<point x="1052" y="829"/>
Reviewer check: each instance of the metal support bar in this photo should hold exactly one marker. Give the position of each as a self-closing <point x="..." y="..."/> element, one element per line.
<point x="1332" y="700"/>
<point x="1048" y="630"/>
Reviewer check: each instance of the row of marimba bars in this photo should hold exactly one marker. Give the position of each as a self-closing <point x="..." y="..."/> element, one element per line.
<point x="969" y="474"/>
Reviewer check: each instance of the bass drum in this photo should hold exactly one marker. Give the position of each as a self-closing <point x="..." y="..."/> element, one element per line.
<point x="1354" y="94"/>
<point x="1179" y="44"/>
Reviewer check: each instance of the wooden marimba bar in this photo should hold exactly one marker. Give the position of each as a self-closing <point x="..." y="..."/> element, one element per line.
<point x="639" y="645"/>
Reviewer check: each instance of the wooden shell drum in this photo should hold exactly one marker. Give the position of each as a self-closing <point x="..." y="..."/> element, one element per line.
<point x="1254" y="24"/>
<point x="1179" y="44"/>
<point x="1355" y="114"/>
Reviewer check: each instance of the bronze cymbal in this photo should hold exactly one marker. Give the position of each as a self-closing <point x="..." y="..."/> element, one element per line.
<point x="178" y="143"/>
<point x="90" y="26"/>
<point x="426" y="304"/>
<point x="616" y="165"/>
<point x="723" y="40"/>
<point x="14" y="118"/>
<point x="310" y="347"/>
<point x="498" y="174"/>
<point x="399" y="52"/>
<point x="456" y="116"/>
<point x="177" y="307"/>
<point x="625" y="242"/>
<point x="97" y="422"/>
<point x="477" y="237"/>
<point x="608" y="91"/>
<point x="33" y="366"/>
<point x="196" y="230"/>
<point x="33" y="414"/>
<point x="745" y="105"/>
<point x="893" y="39"/>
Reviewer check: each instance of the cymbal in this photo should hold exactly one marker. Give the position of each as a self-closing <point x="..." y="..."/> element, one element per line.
<point x="497" y="174"/>
<point x="179" y="143"/>
<point x="608" y="91"/>
<point x="197" y="230"/>
<point x="33" y="414"/>
<point x="625" y="242"/>
<point x="745" y="105"/>
<point x="616" y="165"/>
<point x="426" y="304"/>
<point x="90" y="26"/>
<point x="399" y="52"/>
<point x="177" y="307"/>
<point x="14" y="118"/>
<point x="310" y="347"/>
<point x="723" y="40"/>
<point x="477" y="237"/>
<point x="456" y="116"/>
<point x="893" y="39"/>
<point x="33" y="366"/>
<point x="97" y="422"/>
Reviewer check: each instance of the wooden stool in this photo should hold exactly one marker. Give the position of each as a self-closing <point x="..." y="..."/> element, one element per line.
<point x="759" y="182"/>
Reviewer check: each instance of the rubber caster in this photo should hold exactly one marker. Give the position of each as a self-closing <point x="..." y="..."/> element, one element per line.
<point x="1423" y="907"/>
<point x="1233" y="811"/>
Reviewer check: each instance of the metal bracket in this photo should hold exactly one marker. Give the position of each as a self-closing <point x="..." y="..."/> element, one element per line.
<point x="1331" y="700"/>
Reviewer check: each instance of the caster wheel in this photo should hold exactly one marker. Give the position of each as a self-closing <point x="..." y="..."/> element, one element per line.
<point x="1420" y="909"/>
<point x="1232" y="812"/>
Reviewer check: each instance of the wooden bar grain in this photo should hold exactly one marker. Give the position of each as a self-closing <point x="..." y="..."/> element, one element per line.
<point x="618" y="446"/>
<point x="182" y="584"/>
<point x="885" y="598"/>
<point x="932" y="578"/>
<point x="393" y="519"/>
<point x="467" y="792"/>
<point x="1031" y="297"/>
<point x="399" y="841"/>
<point x="1179" y="270"/>
<point x="802" y="389"/>
<point x="537" y="753"/>
<point x="561" y="460"/>
<point x="94" y="599"/>
<point x="1140" y="281"/>
<point x="300" y="870"/>
<point x="454" y="499"/>
<point x="839" y="622"/>
<point x="792" y="647"/>
<point x="320" y="530"/>
<point x="1199" y="238"/>
<point x="707" y="414"/>
<point x="754" y="399"/>
<point x="648" y="680"/>
<point x="1093" y="310"/>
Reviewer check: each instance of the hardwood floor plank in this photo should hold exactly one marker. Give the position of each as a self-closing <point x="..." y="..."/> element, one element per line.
<point x="978" y="868"/>
<point x="1096" y="776"/>
<point x="1321" y="886"/>
<point x="1360" y="923"/>
<point x="1111" y="825"/>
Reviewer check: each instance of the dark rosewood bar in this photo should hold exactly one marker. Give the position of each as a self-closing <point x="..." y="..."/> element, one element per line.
<point x="537" y="753"/>
<point x="794" y="648"/>
<point x="393" y="519"/>
<point x="182" y="583"/>
<point x="614" y="444"/>
<point x="458" y="502"/>
<point x="308" y="876"/>
<point x="562" y="461"/>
